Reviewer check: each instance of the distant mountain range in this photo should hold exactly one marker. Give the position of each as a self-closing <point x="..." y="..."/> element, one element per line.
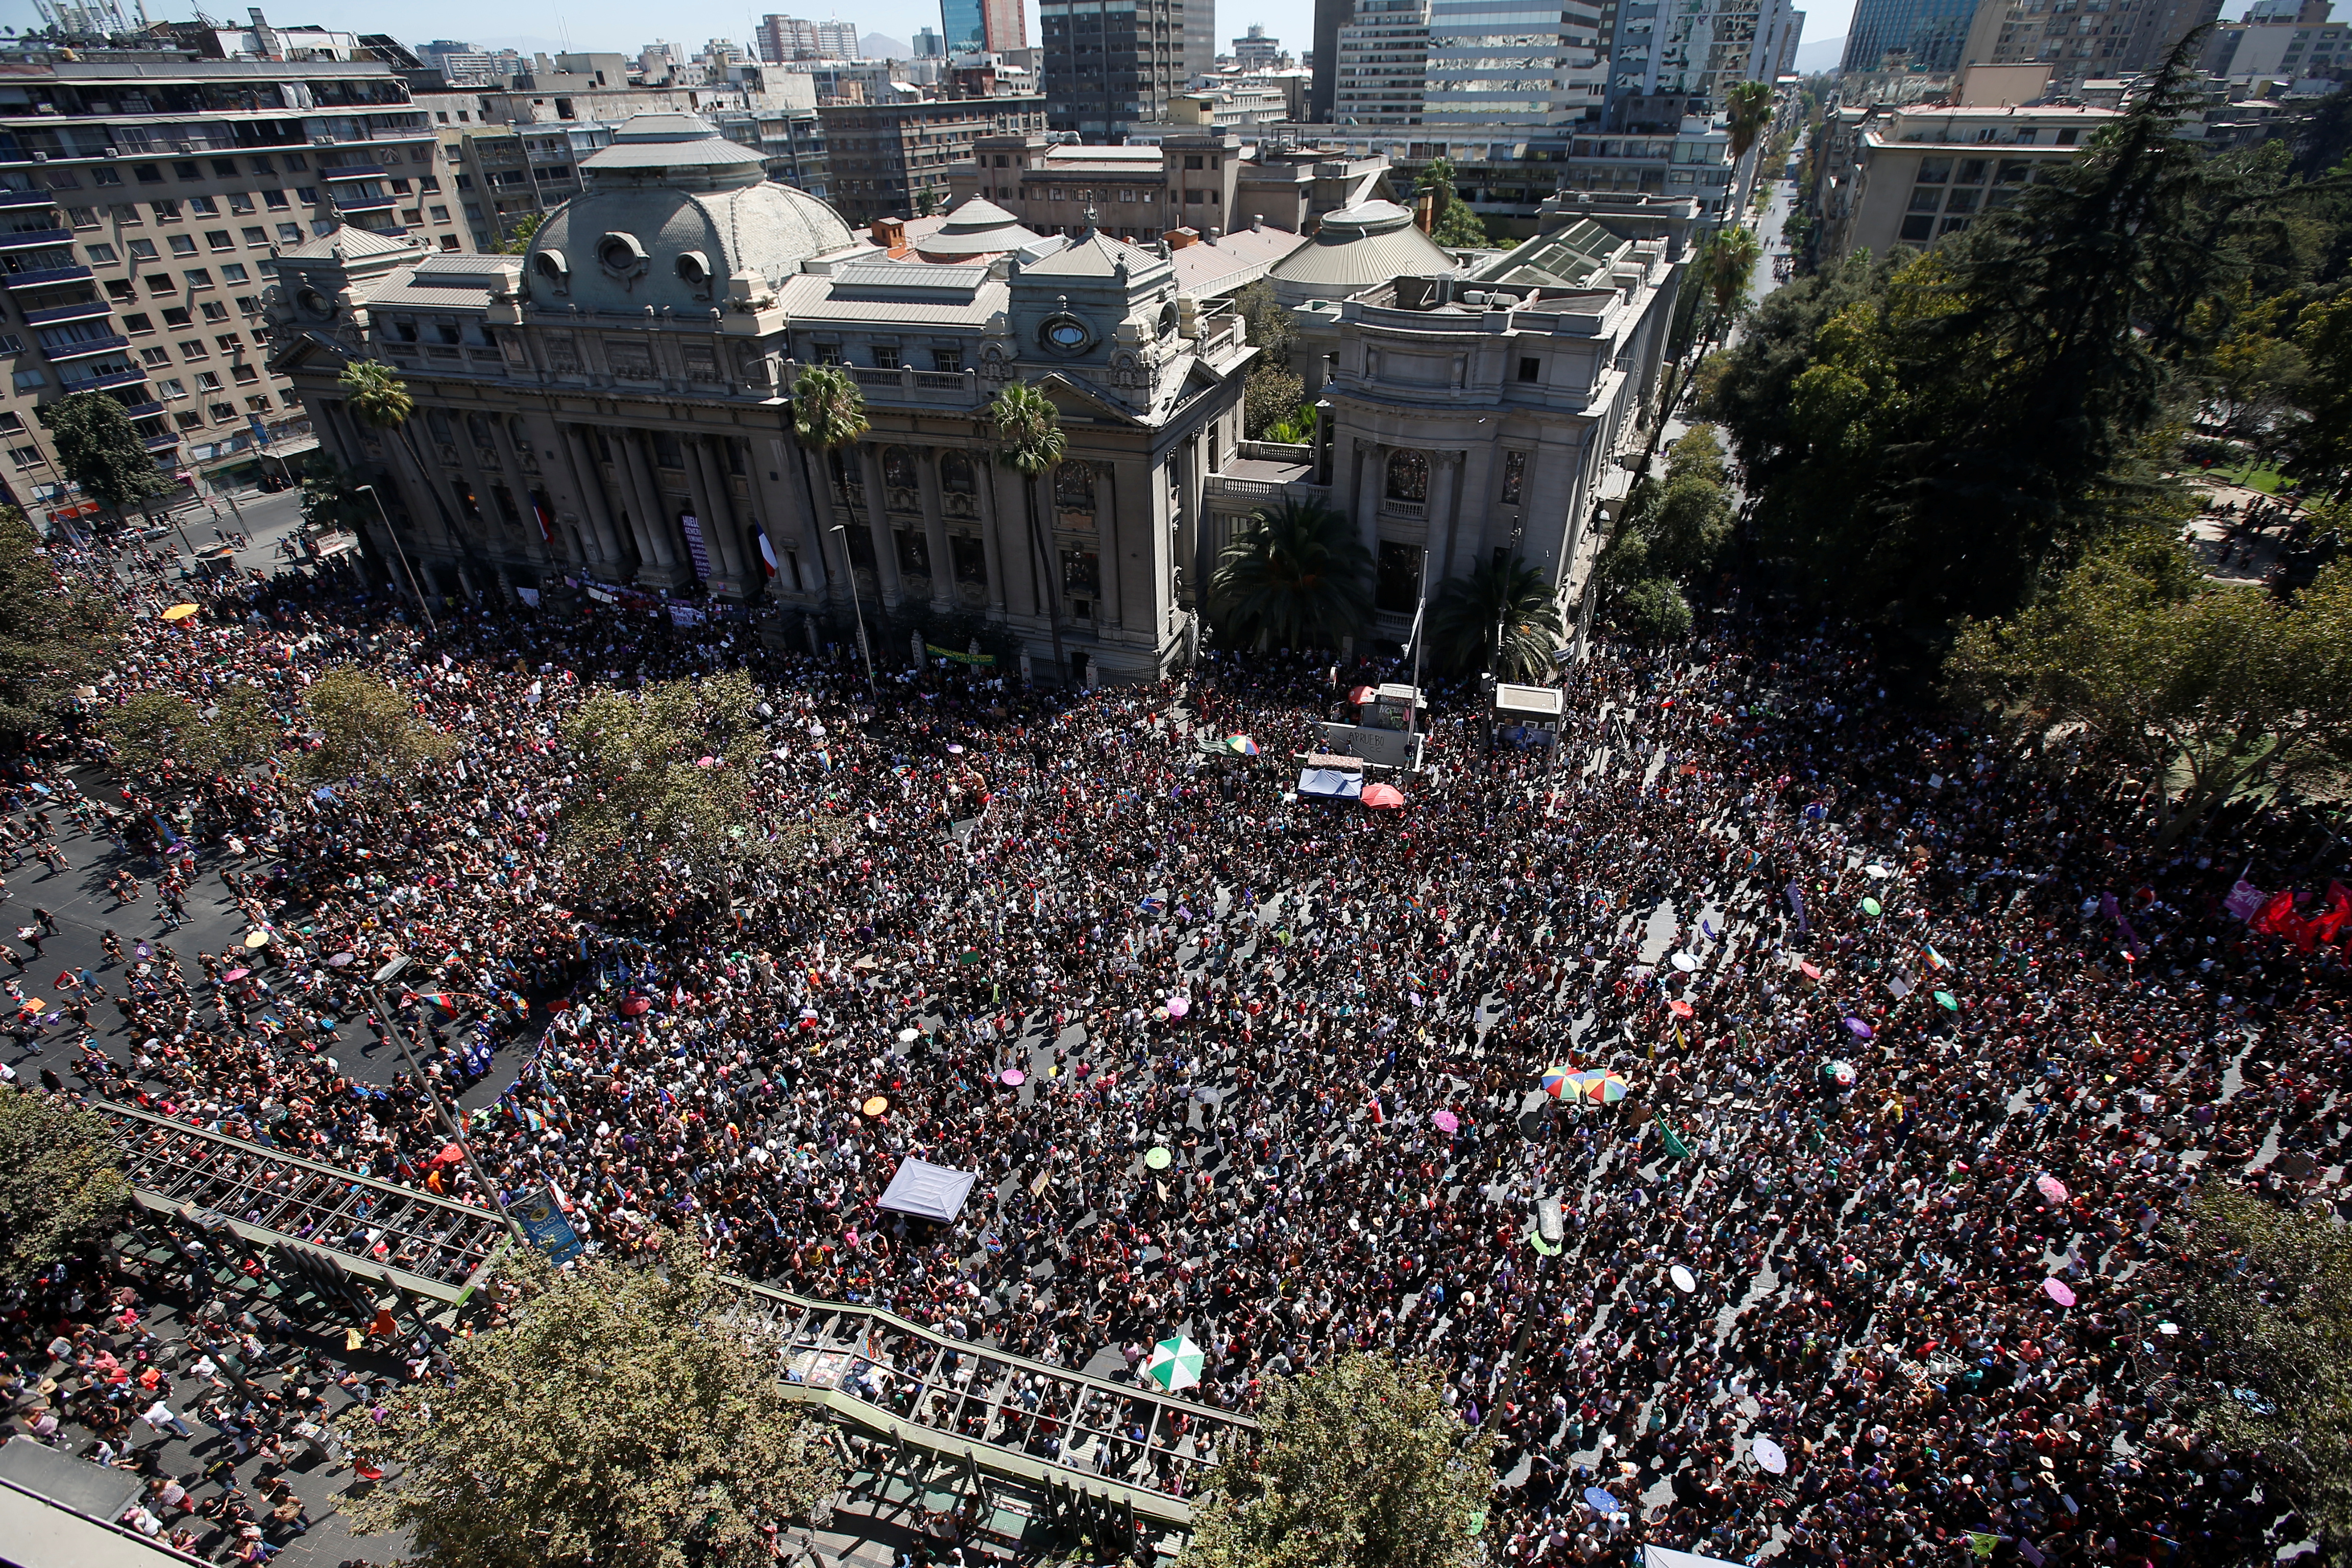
<point x="881" y="46"/>
<point x="1819" y="55"/>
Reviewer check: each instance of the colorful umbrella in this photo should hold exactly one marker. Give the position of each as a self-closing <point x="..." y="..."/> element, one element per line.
<point x="1558" y="1081"/>
<point x="1680" y="1009"/>
<point x="1157" y="1158"/>
<point x="179" y="612"/>
<point x="237" y="974"/>
<point x="1602" y="1088"/>
<point x="1870" y="907"/>
<point x="1840" y="1074"/>
<point x="256" y="938"/>
<point x="1174" y="1364"/>
<point x="1241" y="745"/>
<point x="2051" y="1187"/>
<point x="1380" y="796"/>
<point x="2058" y="1290"/>
<point x="1859" y="1029"/>
<point x="1445" y="1120"/>
<point x="1179" y="1006"/>
<point x="1946" y="1000"/>
<point x="632" y="1005"/>
<point x="1012" y="1078"/>
<point x="875" y="1106"/>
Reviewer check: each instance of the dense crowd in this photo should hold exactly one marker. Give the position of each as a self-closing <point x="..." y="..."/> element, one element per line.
<point x="1919" y="1039"/>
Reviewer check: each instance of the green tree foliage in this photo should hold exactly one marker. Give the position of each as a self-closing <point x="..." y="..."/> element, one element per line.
<point x="62" y="1190"/>
<point x="1750" y="105"/>
<point x="379" y="399"/>
<point x="366" y="731"/>
<point x="161" y="734"/>
<point x="331" y="500"/>
<point x="102" y="451"/>
<point x="1452" y="222"/>
<point x="1506" y="599"/>
<point x="1295" y="575"/>
<point x="1270" y="397"/>
<point x="51" y="635"/>
<point x="2266" y="1295"/>
<point x="625" y="1419"/>
<point x="665" y="774"/>
<point x="1943" y="438"/>
<point x="1361" y="1464"/>
<point x="828" y="415"/>
<point x="1029" y="441"/>
<point x="2322" y="439"/>
<point x="1651" y="609"/>
<point x="519" y="232"/>
<point x="2215" y="690"/>
<point x="1266" y="321"/>
<point x="1671" y="533"/>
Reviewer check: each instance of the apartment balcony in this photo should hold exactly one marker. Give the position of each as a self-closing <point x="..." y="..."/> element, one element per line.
<point x="346" y="201"/>
<point x="86" y="347"/>
<point x="353" y="171"/>
<point x="162" y="443"/>
<point x="89" y="309"/>
<point x="131" y="376"/>
<point x="35" y="279"/>
<point x="36" y="239"/>
<point x="9" y="199"/>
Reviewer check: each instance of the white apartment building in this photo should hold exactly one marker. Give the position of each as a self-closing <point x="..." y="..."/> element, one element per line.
<point x="1383" y="64"/>
<point x="1515" y="63"/>
<point x="1905" y="177"/>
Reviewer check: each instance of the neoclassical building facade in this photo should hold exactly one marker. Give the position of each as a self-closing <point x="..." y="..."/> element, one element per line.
<point x="612" y="410"/>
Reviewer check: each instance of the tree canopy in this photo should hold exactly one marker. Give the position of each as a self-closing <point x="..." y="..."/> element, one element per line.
<point x="1295" y="575"/>
<point x="625" y="1419"/>
<point x="162" y="734"/>
<point x="1505" y="603"/>
<point x="1670" y="533"/>
<point x="51" y="635"/>
<point x="1359" y="1465"/>
<point x="365" y="730"/>
<point x="102" y="450"/>
<point x="663" y="773"/>
<point x="62" y="1190"/>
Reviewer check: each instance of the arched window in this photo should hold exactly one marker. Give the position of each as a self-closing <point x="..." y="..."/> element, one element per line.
<point x="1408" y="477"/>
<point x="956" y="476"/>
<point x="1073" y="487"/>
<point x="899" y="468"/>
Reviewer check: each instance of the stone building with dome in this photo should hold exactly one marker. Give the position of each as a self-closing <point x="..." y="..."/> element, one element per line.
<point x="612" y="410"/>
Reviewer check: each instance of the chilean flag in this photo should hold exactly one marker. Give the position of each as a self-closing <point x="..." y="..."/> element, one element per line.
<point x="767" y="551"/>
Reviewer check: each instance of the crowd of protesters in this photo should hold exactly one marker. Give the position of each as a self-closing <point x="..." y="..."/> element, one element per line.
<point x="1919" y="1039"/>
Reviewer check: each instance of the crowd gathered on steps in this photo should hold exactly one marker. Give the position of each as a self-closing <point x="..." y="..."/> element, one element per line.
<point x="1909" y="1026"/>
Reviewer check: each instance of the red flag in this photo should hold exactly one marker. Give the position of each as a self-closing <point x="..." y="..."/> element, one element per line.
<point x="2330" y="921"/>
<point x="2276" y="915"/>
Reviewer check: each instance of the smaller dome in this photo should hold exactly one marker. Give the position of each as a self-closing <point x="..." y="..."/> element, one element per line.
<point x="1359" y="247"/>
<point x="975" y="228"/>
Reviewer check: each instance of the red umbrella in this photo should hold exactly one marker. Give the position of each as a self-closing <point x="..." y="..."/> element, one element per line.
<point x="1361" y="694"/>
<point x="635" y="1005"/>
<point x="450" y="1155"/>
<point x="1383" y="797"/>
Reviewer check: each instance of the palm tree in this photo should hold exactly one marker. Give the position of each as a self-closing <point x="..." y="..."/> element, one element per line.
<point x="1726" y="267"/>
<point x="1750" y="103"/>
<point x="1501" y="611"/>
<point x="1295" y="577"/>
<point x="379" y="399"/>
<point x="828" y="414"/>
<point x="1029" y="440"/>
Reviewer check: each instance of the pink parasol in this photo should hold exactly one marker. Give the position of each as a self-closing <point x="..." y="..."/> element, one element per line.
<point x="1012" y="1078"/>
<point x="1380" y="796"/>
<point x="2051" y="1187"/>
<point x="237" y="974"/>
<point x="2058" y="1290"/>
<point x="1178" y="1007"/>
<point x="1445" y="1120"/>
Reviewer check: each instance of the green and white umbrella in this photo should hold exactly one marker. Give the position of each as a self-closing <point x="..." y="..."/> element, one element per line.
<point x="1175" y="1364"/>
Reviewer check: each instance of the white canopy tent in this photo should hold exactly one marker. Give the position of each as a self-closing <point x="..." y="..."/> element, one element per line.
<point x="927" y="1191"/>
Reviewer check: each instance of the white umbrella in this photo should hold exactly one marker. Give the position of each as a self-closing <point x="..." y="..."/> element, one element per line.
<point x="1174" y="1364"/>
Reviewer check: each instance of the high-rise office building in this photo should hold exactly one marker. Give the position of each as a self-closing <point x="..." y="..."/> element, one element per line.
<point x="1382" y="60"/>
<point x="2077" y="45"/>
<point x="1908" y="34"/>
<point x="1199" y="38"/>
<point x="1004" y="26"/>
<point x="1515" y="62"/>
<point x="1109" y="70"/>
<point x="1254" y="51"/>
<point x="1696" y="50"/>
<point x="1330" y="16"/>
<point x="963" y="26"/>
<point x="783" y="39"/>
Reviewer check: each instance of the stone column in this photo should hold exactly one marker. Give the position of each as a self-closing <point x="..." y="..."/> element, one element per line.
<point x="709" y="517"/>
<point x="518" y="483"/>
<point x="1370" y="480"/>
<point x="878" y="525"/>
<point x="665" y="570"/>
<point x="935" y="530"/>
<point x="992" y="535"/>
<point x="590" y="483"/>
<point x="732" y="544"/>
<point x="1445" y="502"/>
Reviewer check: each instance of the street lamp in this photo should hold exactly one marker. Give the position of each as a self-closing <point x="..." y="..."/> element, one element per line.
<point x="857" y="605"/>
<point x="392" y="972"/>
<point x="402" y="552"/>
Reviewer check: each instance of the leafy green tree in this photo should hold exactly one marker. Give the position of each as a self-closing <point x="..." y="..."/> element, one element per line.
<point x="1503" y="605"/>
<point x="1269" y="397"/>
<point x="1029" y="441"/>
<point x="62" y="1190"/>
<point x="2321" y="441"/>
<point x="1295" y="575"/>
<point x="51" y="635"/>
<point x="330" y="498"/>
<point x="520" y="233"/>
<point x="2266" y="1295"/>
<point x="1266" y="321"/>
<point x="2224" y="686"/>
<point x="626" y="1418"/>
<point x="366" y="731"/>
<point x="102" y="451"/>
<point x="1452" y="222"/>
<point x="1360" y="1465"/>
<point x="1750" y="105"/>
<point x="162" y="734"/>
<point x="1651" y="609"/>
<point x="665" y="774"/>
